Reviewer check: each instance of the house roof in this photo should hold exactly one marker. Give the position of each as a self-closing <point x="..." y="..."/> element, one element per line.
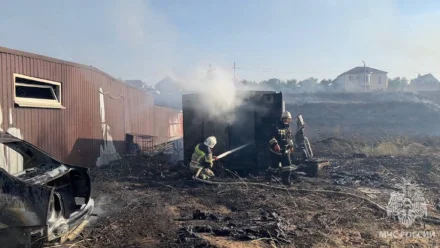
<point x="361" y="69"/>
<point x="135" y="83"/>
<point x="425" y="78"/>
<point x="62" y="62"/>
<point x="168" y="83"/>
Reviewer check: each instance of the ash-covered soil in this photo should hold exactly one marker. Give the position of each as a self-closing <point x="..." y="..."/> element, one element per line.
<point x="146" y="202"/>
<point x="369" y="114"/>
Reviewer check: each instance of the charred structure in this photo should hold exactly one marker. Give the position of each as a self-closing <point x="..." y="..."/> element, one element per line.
<point x="249" y="121"/>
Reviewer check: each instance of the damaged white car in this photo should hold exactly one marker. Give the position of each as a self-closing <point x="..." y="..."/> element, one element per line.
<point x="48" y="202"/>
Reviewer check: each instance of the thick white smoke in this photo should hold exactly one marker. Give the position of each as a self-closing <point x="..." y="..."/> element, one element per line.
<point x="216" y="86"/>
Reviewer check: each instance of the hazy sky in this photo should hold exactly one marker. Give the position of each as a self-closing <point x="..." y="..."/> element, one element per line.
<point x="148" y="40"/>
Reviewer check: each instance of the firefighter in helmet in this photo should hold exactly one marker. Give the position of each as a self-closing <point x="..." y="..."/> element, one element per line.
<point x="202" y="159"/>
<point x="281" y="145"/>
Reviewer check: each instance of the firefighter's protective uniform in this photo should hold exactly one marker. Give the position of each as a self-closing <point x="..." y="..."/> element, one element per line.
<point x="280" y="146"/>
<point x="202" y="159"/>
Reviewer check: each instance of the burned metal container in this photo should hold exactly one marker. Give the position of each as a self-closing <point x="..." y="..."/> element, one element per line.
<point x="249" y="121"/>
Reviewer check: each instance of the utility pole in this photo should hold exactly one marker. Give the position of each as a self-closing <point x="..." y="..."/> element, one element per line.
<point x="234" y="70"/>
<point x="365" y="77"/>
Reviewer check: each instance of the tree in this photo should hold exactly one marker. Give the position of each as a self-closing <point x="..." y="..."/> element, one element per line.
<point x="309" y="84"/>
<point x="397" y="84"/>
<point x="247" y="82"/>
<point x="325" y="82"/>
<point x="273" y="83"/>
<point x="291" y="85"/>
<point x="327" y="85"/>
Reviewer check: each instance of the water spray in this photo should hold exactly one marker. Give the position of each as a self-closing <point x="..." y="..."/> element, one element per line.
<point x="232" y="151"/>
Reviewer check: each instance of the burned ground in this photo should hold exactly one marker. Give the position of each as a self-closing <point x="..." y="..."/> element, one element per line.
<point x="372" y="115"/>
<point x="145" y="202"/>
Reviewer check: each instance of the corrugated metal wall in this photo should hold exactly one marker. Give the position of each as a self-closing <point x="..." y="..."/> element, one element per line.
<point x="168" y="123"/>
<point x="76" y="134"/>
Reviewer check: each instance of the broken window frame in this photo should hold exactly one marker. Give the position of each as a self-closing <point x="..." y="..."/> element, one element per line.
<point x="37" y="102"/>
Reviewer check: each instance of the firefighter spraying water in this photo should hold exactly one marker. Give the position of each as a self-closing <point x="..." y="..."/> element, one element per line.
<point x="285" y="152"/>
<point x="290" y="153"/>
<point x="202" y="158"/>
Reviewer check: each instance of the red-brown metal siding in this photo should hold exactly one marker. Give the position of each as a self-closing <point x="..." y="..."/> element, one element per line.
<point x="168" y="124"/>
<point x="74" y="134"/>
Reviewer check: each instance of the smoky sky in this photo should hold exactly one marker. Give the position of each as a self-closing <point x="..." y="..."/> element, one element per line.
<point x="286" y="39"/>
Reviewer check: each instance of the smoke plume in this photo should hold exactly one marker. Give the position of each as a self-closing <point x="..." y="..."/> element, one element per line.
<point x="216" y="86"/>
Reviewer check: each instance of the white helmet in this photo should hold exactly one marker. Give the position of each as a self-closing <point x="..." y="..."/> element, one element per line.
<point x="210" y="142"/>
<point x="286" y="114"/>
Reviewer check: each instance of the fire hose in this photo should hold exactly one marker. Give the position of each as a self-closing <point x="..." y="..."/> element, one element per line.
<point x="308" y="150"/>
<point x="428" y="219"/>
<point x="224" y="155"/>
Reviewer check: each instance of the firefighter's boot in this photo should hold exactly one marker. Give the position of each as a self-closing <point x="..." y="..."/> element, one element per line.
<point x="268" y="176"/>
<point x="285" y="178"/>
<point x="294" y="177"/>
<point x="270" y="172"/>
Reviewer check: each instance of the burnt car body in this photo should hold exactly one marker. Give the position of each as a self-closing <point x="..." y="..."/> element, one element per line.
<point x="46" y="202"/>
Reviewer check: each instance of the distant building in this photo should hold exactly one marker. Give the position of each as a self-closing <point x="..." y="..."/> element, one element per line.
<point x="168" y="85"/>
<point x="361" y="79"/>
<point x="424" y="83"/>
<point x="168" y="93"/>
<point x="138" y="84"/>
